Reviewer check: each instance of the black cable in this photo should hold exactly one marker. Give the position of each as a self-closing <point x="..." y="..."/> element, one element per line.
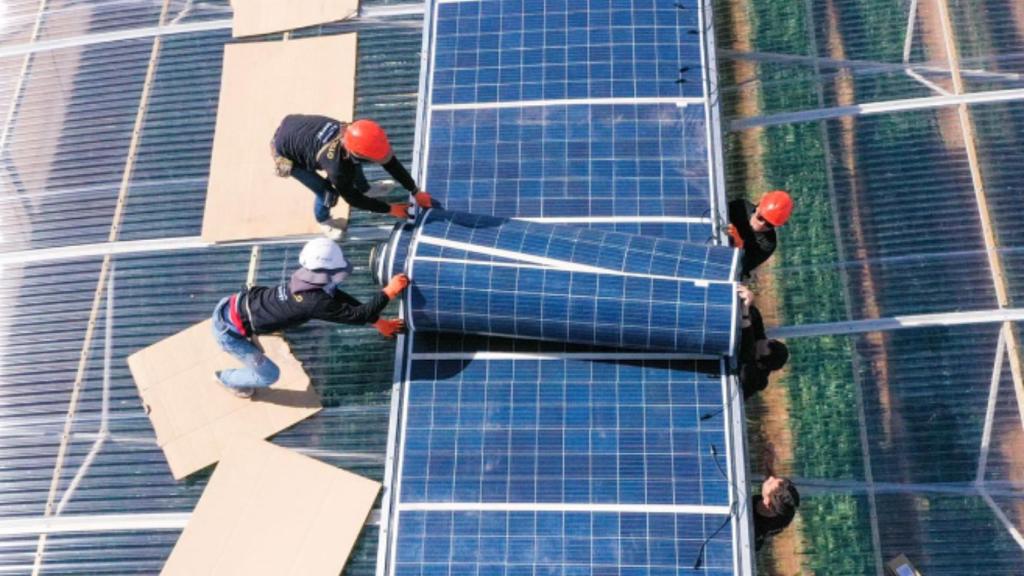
<point x="700" y="553"/>
<point x="699" y="561"/>
<point x="710" y="415"/>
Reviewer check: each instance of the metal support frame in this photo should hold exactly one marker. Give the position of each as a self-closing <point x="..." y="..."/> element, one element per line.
<point x="927" y="103"/>
<point x="858" y="393"/>
<point x="52" y="508"/>
<point x="995" y="262"/>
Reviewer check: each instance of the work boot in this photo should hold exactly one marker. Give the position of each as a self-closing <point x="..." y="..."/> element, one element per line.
<point x="334" y="228"/>
<point x="243" y="392"/>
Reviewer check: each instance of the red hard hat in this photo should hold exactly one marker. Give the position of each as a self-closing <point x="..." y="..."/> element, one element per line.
<point x="365" y="138"/>
<point x="775" y="207"/>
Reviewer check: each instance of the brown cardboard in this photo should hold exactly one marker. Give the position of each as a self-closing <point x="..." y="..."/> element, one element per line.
<point x="194" y="416"/>
<point x="271" y="511"/>
<point x="265" y="16"/>
<point x="262" y="82"/>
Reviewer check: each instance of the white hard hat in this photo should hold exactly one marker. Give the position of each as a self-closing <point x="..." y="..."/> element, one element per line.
<point x="322" y="254"/>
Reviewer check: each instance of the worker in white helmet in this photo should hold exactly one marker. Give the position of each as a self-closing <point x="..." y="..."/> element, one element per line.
<point x="311" y="293"/>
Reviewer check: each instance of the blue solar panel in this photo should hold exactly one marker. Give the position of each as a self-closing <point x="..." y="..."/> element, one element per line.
<point x="587" y="160"/>
<point x="578" y="307"/>
<point x="565" y="431"/>
<point x="564" y="543"/>
<point x="486" y="275"/>
<point x="512" y="50"/>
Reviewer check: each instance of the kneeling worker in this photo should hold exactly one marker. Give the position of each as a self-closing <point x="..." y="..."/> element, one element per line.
<point x="758" y="355"/>
<point x="311" y="293"/>
<point x="752" y="227"/>
<point x="304" y="144"/>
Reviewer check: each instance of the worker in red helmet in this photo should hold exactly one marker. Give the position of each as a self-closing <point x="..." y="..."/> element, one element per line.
<point x="752" y="227"/>
<point x="305" y="144"/>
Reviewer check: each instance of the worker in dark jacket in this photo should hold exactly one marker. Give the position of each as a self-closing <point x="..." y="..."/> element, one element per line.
<point x="305" y="144"/>
<point x="311" y="293"/>
<point x="758" y="355"/>
<point x="752" y="227"/>
<point x="775" y="508"/>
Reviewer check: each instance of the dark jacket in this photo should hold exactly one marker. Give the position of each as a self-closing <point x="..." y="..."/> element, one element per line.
<point x="752" y="378"/>
<point x="757" y="246"/>
<point x="767" y="526"/>
<point x="269" y="309"/>
<point x="312" y="143"/>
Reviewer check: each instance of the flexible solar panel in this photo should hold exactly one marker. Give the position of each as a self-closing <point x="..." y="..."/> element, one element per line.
<point x="564" y="284"/>
<point x="588" y="123"/>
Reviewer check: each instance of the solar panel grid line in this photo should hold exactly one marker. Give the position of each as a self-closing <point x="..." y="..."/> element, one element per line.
<point x="571" y="245"/>
<point x="539" y="262"/>
<point x="612" y="219"/>
<point x="563" y="507"/>
<point x="488" y="355"/>
<point x="680" y="102"/>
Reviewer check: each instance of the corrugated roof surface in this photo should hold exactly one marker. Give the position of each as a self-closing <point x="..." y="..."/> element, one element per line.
<point x="884" y="431"/>
<point x="63" y="159"/>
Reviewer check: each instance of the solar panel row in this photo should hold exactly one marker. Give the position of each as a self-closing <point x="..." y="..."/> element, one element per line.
<point x="522" y="457"/>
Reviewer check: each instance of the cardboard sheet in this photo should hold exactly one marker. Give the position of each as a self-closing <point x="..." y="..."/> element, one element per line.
<point x="271" y="511"/>
<point x="263" y="82"/>
<point x="196" y="418"/>
<point x="265" y="16"/>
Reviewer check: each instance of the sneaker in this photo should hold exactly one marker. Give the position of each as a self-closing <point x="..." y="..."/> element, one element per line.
<point x="334" y="228"/>
<point x="243" y="392"/>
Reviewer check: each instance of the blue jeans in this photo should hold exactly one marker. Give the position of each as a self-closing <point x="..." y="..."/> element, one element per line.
<point x="321" y="187"/>
<point x="259" y="371"/>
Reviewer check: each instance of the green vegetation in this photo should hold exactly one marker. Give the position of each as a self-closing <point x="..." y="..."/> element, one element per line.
<point x="823" y="415"/>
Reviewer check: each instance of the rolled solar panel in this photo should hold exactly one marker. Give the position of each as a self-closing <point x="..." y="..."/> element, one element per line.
<point x="477" y="274"/>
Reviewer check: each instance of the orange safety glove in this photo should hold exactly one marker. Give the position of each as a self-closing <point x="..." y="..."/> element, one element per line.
<point x="423" y="200"/>
<point x="395" y="286"/>
<point x="737" y="240"/>
<point x="400" y="210"/>
<point x="389" y="327"/>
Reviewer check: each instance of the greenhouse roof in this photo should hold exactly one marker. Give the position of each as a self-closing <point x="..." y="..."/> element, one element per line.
<point x="897" y="126"/>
